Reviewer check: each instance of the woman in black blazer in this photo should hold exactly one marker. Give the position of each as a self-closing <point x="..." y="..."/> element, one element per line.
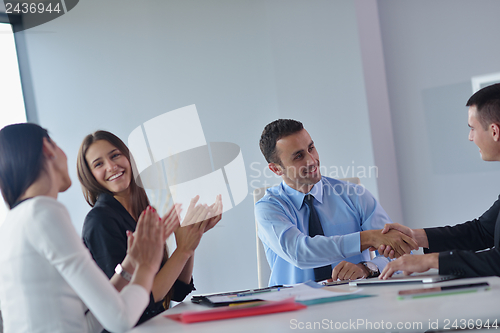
<point x="105" y="172"/>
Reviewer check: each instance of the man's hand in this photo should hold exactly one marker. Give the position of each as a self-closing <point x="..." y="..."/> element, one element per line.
<point x="348" y="271"/>
<point x="419" y="235"/>
<point x="410" y="264"/>
<point x="399" y="227"/>
<point x="399" y="242"/>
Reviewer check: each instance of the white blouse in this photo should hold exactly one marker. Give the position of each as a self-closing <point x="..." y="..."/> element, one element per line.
<point x="48" y="279"/>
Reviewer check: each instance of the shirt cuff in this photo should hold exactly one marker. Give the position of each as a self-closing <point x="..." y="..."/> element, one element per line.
<point x="381" y="262"/>
<point x="351" y="244"/>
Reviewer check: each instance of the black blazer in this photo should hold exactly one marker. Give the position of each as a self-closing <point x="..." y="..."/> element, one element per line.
<point x="104" y="234"/>
<point x="458" y="245"/>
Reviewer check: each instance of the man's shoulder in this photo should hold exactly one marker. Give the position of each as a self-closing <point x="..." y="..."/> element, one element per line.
<point x="335" y="182"/>
<point x="275" y="196"/>
<point x="338" y="187"/>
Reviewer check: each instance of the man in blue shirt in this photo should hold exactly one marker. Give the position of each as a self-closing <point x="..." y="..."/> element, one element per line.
<point x="349" y="215"/>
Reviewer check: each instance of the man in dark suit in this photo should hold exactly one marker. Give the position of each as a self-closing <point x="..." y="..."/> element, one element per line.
<point x="453" y="249"/>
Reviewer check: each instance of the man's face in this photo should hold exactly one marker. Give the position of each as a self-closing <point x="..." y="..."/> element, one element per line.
<point x="299" y="165"/>
<point x="483" y="138"/>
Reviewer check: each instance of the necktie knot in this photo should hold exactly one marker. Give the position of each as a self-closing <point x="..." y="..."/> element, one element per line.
<point x="308" y="199"/>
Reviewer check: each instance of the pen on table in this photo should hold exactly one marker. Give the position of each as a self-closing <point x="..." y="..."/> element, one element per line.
<point x="257" y="292"/>
<point x="336" y="283"/>
<point x="278" y="286"/>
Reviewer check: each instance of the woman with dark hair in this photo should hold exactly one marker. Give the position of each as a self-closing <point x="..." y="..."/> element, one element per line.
<point x="105" y="173"/>
<point x="48" y="280"/>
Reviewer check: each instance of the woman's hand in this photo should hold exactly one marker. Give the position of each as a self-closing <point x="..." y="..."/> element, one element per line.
<point x="189" y="236"/>
<point x="145" y="245"/>
<point x="171" y="220"/>
<point x="195" y="213"/>
<point x="215" y="213"/>
<point x="199" y="219"/>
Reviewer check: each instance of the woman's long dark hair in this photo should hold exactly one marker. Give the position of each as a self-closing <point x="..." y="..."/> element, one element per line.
<point x="21" y="159"/>
<point x="91" y="188"/>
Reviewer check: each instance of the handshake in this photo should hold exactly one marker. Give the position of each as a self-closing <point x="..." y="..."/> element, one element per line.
<point x="393" y="241"/>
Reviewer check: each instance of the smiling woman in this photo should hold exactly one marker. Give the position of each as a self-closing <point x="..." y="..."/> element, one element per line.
<point x="105" y="172"/>
<point x="110" y="168"/>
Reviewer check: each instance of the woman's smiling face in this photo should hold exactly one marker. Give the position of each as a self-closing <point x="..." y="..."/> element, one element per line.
<point x="109" y="166"/>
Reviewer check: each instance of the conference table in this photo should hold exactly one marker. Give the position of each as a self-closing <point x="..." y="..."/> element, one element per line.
<point x="383" y="312"/>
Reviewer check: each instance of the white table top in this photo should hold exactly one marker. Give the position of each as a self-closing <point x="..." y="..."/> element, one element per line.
<point x="382" y="313"/>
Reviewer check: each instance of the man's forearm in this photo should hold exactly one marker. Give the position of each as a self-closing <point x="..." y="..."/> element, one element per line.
<point x="367" y="239"/>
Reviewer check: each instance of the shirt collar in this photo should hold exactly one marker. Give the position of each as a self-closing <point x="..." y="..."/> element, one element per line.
<point x="109" y="200"/>
<point x="297" y="197"/>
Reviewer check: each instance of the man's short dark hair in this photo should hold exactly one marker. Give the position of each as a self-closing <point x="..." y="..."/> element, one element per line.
<point x="487" y="103"/>
<point x="272" y="133"/>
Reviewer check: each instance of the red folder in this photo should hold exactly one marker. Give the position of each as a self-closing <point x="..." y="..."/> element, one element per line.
<point x="243" y="310"/>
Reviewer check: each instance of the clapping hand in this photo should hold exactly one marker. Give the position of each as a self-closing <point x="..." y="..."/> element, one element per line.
<point x="214" y="214"/>
<point x="171" y="220"/>
<point x="145" y="245"/>
<point x="199" y="219"/>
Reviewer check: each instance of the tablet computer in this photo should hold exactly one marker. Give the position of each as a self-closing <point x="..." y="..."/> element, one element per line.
<point x="444" y="291"/>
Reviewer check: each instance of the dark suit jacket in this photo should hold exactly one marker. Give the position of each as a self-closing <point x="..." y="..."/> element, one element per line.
<point x="458" y="245"/>
<point x="104" y="234"/>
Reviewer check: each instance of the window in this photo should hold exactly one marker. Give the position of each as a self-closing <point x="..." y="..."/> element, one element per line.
<point x="11" y="94"/>
<point x="12" y="108"/>
<point x="481" y="81"/>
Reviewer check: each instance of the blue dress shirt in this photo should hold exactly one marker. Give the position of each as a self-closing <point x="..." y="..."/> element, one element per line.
<point x="344" y="209"/>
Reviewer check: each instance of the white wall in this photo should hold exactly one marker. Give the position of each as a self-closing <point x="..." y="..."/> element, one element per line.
<point x="377" y="96"/>
<point x="432" y="49"/>
<point x="114" y="64"/>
